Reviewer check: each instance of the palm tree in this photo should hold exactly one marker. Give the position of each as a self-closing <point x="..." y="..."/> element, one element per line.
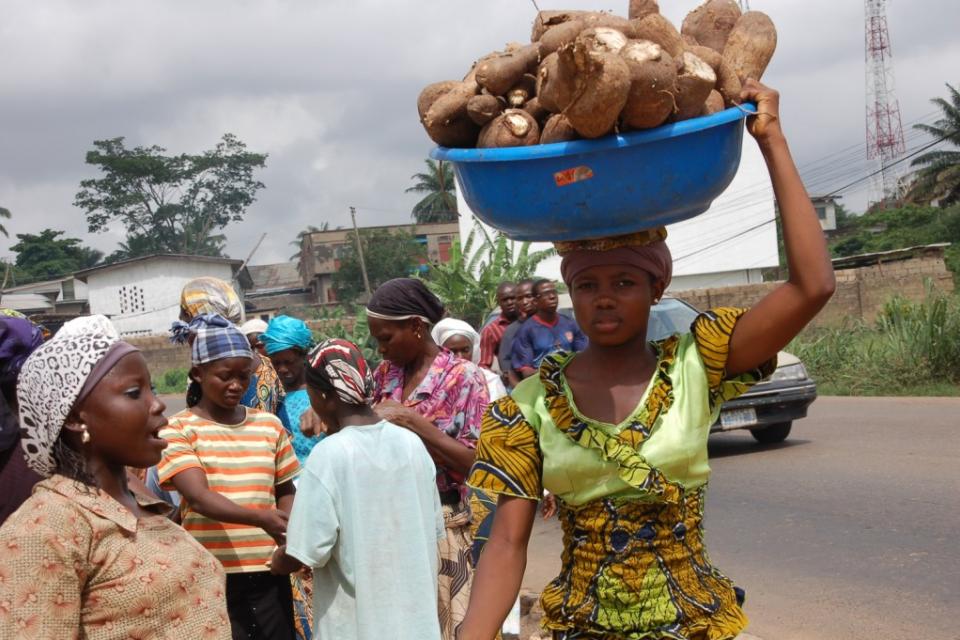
<point x="939" y="179"/>
<point x="4" y="213"/>
<point x="440" y="202"/>
<point x="298" y="243"/>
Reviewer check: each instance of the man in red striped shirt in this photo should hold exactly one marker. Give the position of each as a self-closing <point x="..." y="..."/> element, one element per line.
<point x="491" y="334"/>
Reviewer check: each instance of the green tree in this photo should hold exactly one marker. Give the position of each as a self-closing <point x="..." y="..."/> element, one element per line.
<point x="387" y="254"/>
<point x="939" y="179"/>
<point x="47" y="255"/>
<point x="468" y="283"/>
<point x="4" y="213"/>
<point x="167" y="203"/>
<point x="298" y="243"/>
<point x="439" y="203"/>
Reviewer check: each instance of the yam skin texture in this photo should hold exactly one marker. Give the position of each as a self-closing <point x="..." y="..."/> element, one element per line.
<point x="728" y="84"/>
<point x="512" y="128"/>
<point x="750" y="45"/>
<point x="431" y="93"/>
<point x="694" y="83"/>
<point x="484" y="108"/>
<point x="659" y="30"/>
<point x="602" y="40"/>
<point x="689" y="40"/>
<point x="602" y="86"/>
<point x="712" y="22"/>
<point x="558" y="129"/>
<point x="556" y="84"/>
<point x="640" y="9"/>
<point x="566" y="32"/>
<point x="714" y="103"/>
<point x="498" y="74"/>
<point x="653" y="85"/>
<point x="458" y="131"/>
<point x="547" y="19"/>
<point x="535" y="109"/>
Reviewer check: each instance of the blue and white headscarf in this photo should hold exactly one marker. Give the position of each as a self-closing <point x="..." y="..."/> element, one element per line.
<point x="214" y="338"/>
<point x="285" y="332"/>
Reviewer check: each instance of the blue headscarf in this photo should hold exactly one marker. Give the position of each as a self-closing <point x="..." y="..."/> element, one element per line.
<point x="285" y="332"/>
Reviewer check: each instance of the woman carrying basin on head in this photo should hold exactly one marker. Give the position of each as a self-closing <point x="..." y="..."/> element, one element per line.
<point x="618" y="432"/>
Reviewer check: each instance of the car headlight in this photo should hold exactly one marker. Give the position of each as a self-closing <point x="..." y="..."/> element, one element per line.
<point x="789" y="372"/>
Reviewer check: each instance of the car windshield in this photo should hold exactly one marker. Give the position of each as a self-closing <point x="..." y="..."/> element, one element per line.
<point x="668" y="317"/>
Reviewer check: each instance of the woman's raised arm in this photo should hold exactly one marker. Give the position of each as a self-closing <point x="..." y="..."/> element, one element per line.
<point x="784" y="312"/>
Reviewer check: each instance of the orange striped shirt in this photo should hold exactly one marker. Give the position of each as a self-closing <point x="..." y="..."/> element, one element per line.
<point x="243" y="462"/>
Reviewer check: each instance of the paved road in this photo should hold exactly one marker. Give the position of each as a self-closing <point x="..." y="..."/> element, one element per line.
<point x="847" y="531"/>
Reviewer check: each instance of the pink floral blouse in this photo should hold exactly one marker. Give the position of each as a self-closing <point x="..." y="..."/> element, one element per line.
<point x="453" y="396"/>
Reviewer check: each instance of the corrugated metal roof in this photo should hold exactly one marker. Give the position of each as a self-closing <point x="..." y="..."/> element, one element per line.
<point x="268" y="277"/>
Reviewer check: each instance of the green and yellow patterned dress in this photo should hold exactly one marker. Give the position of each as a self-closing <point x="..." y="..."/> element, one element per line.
<point x="631" y="495"/>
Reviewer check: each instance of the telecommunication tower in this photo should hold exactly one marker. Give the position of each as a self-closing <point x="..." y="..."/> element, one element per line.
<point x="884" y="128"/>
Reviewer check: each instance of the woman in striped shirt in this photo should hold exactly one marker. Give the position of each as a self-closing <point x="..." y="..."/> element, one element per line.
<point x="234" y="468"/>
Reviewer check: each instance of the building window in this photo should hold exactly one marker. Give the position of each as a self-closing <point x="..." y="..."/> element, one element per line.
<point x="68" y="290"/>
<point x="131" y="300"/>
<point x="822" y="213"/>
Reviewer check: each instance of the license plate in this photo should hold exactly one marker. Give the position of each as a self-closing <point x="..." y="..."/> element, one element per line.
<point x="738" y="418"/>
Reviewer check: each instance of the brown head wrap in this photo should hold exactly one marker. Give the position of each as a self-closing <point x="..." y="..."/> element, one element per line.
<point x="646" y="250"/>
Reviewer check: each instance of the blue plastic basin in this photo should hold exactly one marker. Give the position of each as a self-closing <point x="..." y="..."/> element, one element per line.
<point x="609" y="186"/>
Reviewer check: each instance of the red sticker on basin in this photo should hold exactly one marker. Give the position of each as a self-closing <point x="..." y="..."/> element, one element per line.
<point x="569" y="176"/>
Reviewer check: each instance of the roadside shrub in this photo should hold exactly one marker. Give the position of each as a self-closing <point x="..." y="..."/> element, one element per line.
<point x="911" y="349"/>
<point x="172" y="381"/>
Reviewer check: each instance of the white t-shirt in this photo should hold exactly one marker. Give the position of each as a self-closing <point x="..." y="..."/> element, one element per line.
<point x="367" y="518"/>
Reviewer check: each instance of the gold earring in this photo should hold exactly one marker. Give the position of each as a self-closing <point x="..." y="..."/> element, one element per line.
<point x="84" y="435"/>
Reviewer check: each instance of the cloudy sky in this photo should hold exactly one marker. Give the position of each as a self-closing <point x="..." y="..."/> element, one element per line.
<point x="328" y="89"/>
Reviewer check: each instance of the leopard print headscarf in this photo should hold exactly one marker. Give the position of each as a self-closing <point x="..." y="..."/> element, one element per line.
<point x="51" y="380"/>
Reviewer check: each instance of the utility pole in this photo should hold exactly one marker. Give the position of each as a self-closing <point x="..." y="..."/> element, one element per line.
<point x="363" y="264"/>
<point x="236" y="278"/>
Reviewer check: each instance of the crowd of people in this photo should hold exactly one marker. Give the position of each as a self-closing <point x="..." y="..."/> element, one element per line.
<point x="304" y="493"/>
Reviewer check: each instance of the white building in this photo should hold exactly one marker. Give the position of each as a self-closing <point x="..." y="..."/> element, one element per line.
<point x="142" y="295"/>
<point x="728" y="245"/>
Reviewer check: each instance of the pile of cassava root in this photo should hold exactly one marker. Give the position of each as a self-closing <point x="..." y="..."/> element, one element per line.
<point x="587" y="74"/>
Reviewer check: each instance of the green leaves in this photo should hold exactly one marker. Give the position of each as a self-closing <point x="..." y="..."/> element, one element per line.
<point x="388" y="254"/>
<point x="440" y="203"/>
<point x="468" y="283"/>
<point x="170" y="204"/>
<point x="939" y="178"/>
<point x="46" y="255"/>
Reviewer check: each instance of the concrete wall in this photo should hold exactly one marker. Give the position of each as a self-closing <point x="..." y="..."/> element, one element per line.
<point x="861" y="293"/>
<point x="152" y="289"/>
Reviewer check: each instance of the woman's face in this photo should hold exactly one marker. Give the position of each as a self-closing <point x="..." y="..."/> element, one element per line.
<point x="397" y="340"/>
<point x="124" y="417"/>
<point x="290" y="364"/>
<point x="224" y="382"/>
<point x="612" y="303"/>
<point x="460" y="346"/>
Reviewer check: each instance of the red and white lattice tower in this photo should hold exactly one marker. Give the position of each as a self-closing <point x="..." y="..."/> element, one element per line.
<point x="884" y="128"/>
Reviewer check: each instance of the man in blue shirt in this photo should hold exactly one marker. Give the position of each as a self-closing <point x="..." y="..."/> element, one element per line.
<point x="544" y="332"/>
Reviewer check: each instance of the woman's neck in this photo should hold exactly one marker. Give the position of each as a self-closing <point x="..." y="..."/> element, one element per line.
<point x="356" y="416"/>
<point x="423" y="360"/>
<point x="611" y="359"/>
<point x="111" y="478"/>
<point x="223" y="415"/>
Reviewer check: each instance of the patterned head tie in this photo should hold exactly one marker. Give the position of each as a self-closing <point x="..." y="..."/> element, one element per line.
<point x="285" y="332"/>
<point x="450" y="327"/>
<point x="646" y="250"/>
<point x="209" y="296"/>
<point x="405" y="298"/>
<point x="216" y="338"/>
<point x="57" y="377"/>
<point x="338" y="366"/>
